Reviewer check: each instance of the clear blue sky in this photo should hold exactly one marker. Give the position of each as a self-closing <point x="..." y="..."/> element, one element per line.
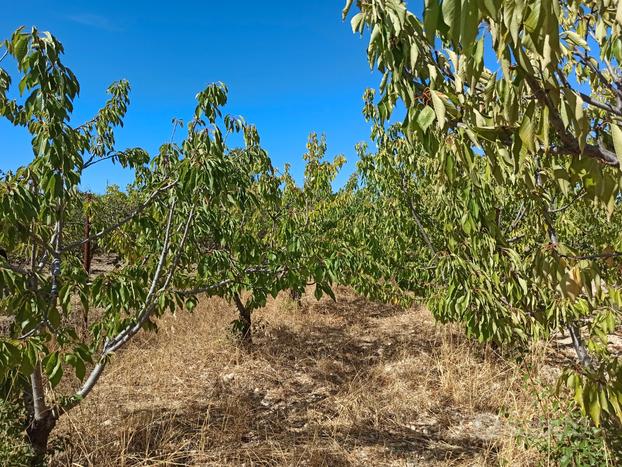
<point x="291" y="68"/>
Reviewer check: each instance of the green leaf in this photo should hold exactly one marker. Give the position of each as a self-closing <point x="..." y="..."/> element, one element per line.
<point x="76" y="362"/>
<point x="414" y="55"/>
<point x="526" y="133"/>
<point x="469" y="24"/>
<point x="191" y="304"/>
<point x="50" y="362"/>
<point x="575" y="39"/>
<point x="375" y="34"/>
<point x="42" y="145"/>
<point x="53" y="368"/>
<point x="450" y="166"/>
<point x="21" y="47"/>
<point x="346" y="9"/>
<point x="491" y="7"/>
<point x="431" y="15"/>
<point x="426" y="117"/>
<point x="54" y="317"/>
<point x="357" y="23"/>
<point x="451" y="17"/>
<point x="56" y="374"/>
<point x="616" y="134"/>
<point x="595" y="411"/>
<point x="329" y="291"/>
<point x="439" y="108"/>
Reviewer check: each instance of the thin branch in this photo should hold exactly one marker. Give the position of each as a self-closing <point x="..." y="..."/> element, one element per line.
<point x="580" y="195"/>
<point x="608" y="65"/>
<point x="577" y="342"/>
<point x="413" y="213"/>
<point x="570" y="143"/>
<point x="123" y="221"/>
<point x="124" y="336"/>
<point x="208" y="288"/>
<point x="92" y="160"/>
<point x="519" y="216"/>
<point x="588" y="100"/>
<point x="16" y="269"/>
<point x="114" y="344"/>
<point x="515" y="239"/>
<point x="32" y="331"/>
<point x="585" y="60"/>
<point x="180" y="249"/>
<point x="614" y="254"/>
<point x="581" y="351"/>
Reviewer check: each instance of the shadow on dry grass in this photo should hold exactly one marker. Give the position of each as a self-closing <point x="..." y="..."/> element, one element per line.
<point x="345" y="383"/>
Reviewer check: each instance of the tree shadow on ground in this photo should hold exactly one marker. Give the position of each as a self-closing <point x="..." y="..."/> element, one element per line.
<point x="199" y="429"/>
<point x="282" y="413"/>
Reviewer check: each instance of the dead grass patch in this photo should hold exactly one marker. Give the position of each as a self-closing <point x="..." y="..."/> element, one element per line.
<point x="345" y="383"/>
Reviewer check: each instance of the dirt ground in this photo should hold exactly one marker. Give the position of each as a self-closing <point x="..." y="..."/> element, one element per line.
<point x="329" y="383"/>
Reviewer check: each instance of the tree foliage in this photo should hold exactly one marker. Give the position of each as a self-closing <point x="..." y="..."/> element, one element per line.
<point x="199" y="218"/>
<point x="511" y="142"/>
<point x="497" y="199"/>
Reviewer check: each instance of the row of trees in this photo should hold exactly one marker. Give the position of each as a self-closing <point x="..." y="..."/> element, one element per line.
<point x="496" y="200"/>
<point x="200" y="218"/>
<point x="506" y="169"/>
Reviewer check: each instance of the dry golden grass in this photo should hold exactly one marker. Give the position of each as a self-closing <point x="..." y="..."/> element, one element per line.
<point x="345" y="383"/>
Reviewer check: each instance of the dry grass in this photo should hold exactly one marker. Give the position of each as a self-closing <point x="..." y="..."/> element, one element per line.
<point x="346" y="383"/>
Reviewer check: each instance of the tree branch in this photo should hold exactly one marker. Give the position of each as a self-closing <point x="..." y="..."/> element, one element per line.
<point x="615" y="254"/>
<point x="92" y="160"/>
<point x="579" y="347"/>
<point x="580" y="195"/>
<point x="519" y="216"/>
<point x="121" y="338"/>
<point x="570" y="144"/>
<point x="123" y="221"/>
<point x="413" y="213"/>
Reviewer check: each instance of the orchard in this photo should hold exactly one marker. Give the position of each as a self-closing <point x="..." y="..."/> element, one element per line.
<point x="495" y="202"/>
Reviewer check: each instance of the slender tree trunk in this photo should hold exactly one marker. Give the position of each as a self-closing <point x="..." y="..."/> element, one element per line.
<point x="87" y="250"/>
<point x="574" y="330"/>
<point x="577" y="342"/>
<point x="42" y="419"/>
<point x="245" y="320"/>
<point x="87" y="258"/>
<point x="296" y="296"/>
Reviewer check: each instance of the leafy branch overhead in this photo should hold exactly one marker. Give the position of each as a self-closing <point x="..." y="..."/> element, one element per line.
<point x="511" y="145"/>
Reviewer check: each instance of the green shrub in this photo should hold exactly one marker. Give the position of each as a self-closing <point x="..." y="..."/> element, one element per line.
<point x="568" y="439"/>
<point x="14" y="449"/>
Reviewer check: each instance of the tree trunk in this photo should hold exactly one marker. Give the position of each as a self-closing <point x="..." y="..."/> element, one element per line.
<point x="87" y="257"/>
<point x="87" y="250"/>
<point x="296" y="296"/>
<point x="42" y="419"/>
<point x="38" y="435"/>
<point x="582" y="354"/>
<point x="245" y="320"/>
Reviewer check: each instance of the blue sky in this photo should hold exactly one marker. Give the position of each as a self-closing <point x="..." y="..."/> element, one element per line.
<point x="291" y="68"/>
